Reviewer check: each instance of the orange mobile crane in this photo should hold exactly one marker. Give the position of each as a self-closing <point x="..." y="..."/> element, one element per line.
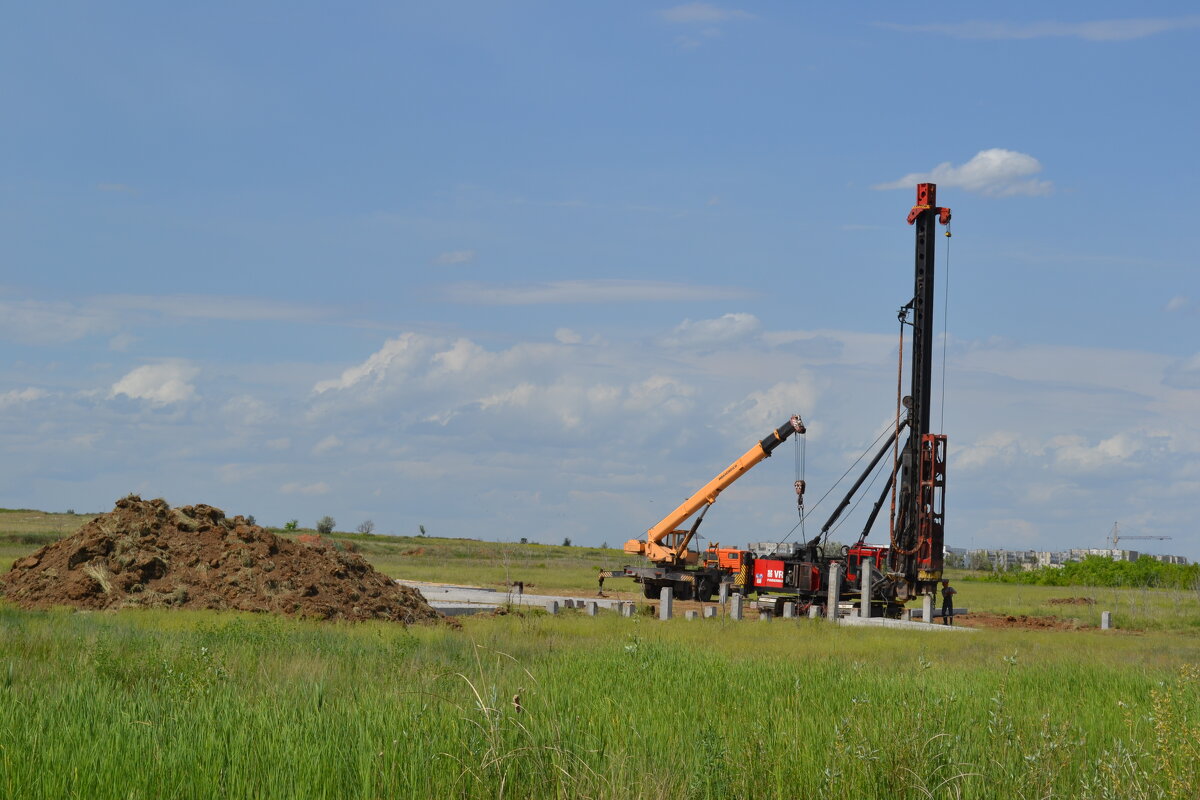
<point x="667" y="546"/>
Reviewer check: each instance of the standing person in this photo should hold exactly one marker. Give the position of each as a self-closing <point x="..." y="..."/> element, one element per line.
<point x="948" y="593"/>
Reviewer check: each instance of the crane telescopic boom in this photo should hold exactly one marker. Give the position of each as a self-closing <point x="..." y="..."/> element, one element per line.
<point x="665" y="544"/>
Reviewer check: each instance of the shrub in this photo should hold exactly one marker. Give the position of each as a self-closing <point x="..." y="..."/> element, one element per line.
<point x="325" y="524"/>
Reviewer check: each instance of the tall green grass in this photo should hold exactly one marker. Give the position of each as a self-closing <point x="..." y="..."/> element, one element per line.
<point x="156" y="704"/>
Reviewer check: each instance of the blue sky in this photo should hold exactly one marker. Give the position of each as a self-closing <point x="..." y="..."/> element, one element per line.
<point x="541" y="269"/>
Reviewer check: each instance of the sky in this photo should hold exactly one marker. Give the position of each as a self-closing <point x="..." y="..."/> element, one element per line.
<point x="540" y="270"/>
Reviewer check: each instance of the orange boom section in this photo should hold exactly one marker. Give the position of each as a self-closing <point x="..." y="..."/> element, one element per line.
<point x="666" y="544"/>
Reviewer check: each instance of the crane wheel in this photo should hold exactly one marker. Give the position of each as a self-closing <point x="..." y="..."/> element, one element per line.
<point x="651" y="591"/>
<point x="705" y="591"/>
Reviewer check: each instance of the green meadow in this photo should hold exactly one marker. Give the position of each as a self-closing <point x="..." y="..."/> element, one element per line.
<point x="200" y="705"/>
<point x="157" y="704"/>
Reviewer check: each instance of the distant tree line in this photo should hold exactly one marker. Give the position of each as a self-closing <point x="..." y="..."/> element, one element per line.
<point x="1146" y="572"/>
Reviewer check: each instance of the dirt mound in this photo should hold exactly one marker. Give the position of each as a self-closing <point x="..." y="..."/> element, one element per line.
<point x="146" y="554"/>
<point x="978" y="620"/>
<point x="1071" y="601"/>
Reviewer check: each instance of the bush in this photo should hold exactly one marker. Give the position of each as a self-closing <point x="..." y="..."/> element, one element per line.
<point x="325" y="524"/>
<point x="366" y="526"/>
<point x="1146" y="572"/>
<point x="291" y="525"/>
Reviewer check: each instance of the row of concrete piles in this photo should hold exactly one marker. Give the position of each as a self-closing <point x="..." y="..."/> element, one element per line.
<point x="737" y="604"/>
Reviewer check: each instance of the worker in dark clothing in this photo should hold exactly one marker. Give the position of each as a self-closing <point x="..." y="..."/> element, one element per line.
<point x="948" y="593"/>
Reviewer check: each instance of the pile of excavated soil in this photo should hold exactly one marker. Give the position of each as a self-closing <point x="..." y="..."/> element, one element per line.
<point x="146" y="554"/>
<point x="980" y="620"/>
<point x="1071" y="601"/>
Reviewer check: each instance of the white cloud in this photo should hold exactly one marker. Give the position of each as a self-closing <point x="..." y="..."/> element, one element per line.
<point x="401" y="351"/>
<point x="1073" y="452"/>
<point x="567" y="336"/>
<point x="307" y="489"/>
<point x="160" y="384"/>
<point x="454" y="257"/>
<point x="995" y="173"/>
<point x="330" y="442"/>
<point x="590" y="291"/>
<point x="726" y="329"/>
<point x="1184" y="373"/>
<point x="19" y="396"/>
<point x="1111" y="30"/>
<point x="759" y="412"/>
<point x="707" y="13"/>
<point x="1178" y="303"/>
<point x="60" y="322"/>
<point x="248" y="410"/>
<point x="34" y="322"/>
<point x="199" y="306"/>
<point x="996" y="449"/>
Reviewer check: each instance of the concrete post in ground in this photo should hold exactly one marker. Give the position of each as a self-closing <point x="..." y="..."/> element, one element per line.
<point x="835" y="590"/>
<point x="765" y="614"/>
<point x="710" y="612"/>
<point x="723" y="592"/>
<point x="907" y="615"/>
<point x="789" y="610"/>
<point x="627" y="609"/>
<point x="665" y="602"/>
<point x="551" y="606"/>
<point x="864" y="570"/>
<point x="814" y="611"/>
<point x="927" y="608"/>
<point x="691" y="615"/>
<point x="735" y="607"/>
<point x="1105" y="620"/>
<point x="592" y="608"/>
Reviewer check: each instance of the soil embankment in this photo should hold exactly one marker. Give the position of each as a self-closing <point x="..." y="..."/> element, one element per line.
<point x="146" y="554"/>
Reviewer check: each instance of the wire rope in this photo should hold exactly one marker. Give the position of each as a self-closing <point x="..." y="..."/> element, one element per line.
<point x="945" y="329"/>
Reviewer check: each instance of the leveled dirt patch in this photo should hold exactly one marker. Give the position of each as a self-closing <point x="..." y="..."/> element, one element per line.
<point x="977" y="620"/>
<point x="146" y="554"/>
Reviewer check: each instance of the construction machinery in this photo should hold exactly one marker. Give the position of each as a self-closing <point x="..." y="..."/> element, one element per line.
<point x="909" y="566"/>
<point x="668" y="547"/>
<point x="1115" y="536"/>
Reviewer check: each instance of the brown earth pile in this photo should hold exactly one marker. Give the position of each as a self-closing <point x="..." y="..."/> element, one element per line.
<point x="146" y="554"/>
<point x="1071" y="601"/>
<point x="981" y="620"/>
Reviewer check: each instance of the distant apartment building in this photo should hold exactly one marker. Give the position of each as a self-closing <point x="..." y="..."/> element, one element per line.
<point x="1032" y="559"/>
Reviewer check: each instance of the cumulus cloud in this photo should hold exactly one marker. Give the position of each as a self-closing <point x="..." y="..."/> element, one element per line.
<point x="589" y="291"/>
<point x="726" y="329"/>
<point x="19" y="396"/>
<point x="159" y="384"/>
<point x="995" y="173"/>
<point x="567" y="336"/>
<point x="454" y="257"/>
<point x="399" y="352"/>
<point x="1109" y="30"/>
<point x="1076" y="454"/>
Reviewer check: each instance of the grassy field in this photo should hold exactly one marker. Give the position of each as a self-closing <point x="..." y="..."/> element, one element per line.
<point x="150" y="704"/>
<point x="201" y="705"/>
